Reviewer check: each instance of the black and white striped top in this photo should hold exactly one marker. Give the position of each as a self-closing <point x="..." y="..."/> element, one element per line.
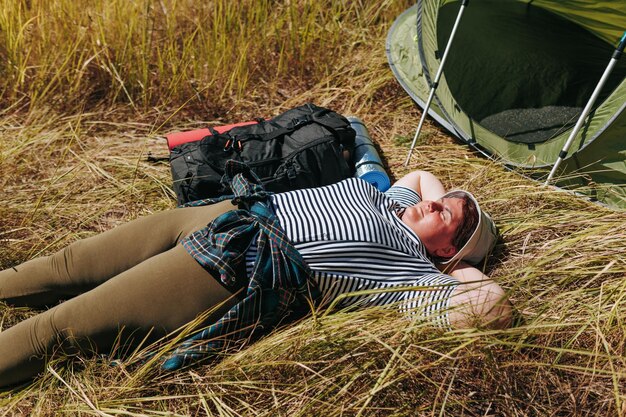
<point x="351" y="236"/>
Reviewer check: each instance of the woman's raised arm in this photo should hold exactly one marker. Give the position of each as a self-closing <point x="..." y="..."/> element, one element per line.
<point x="478" y="300"/>
<point x="424" y="183"/>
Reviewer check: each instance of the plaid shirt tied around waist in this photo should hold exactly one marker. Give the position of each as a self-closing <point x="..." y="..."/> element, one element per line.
<point x="280" y="286"/>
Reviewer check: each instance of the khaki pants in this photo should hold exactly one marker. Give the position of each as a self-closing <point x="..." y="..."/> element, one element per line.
<point x="130" y="282"/>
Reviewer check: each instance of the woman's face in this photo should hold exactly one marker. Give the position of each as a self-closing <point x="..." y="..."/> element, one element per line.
<point x="435" y="223"/>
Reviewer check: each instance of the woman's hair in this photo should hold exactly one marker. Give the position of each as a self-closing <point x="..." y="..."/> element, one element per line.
<point x="470" y="219"/>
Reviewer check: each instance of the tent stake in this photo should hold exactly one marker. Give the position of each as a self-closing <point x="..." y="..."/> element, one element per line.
<point x="579" y="124"/>
<point x="436" y="82"/>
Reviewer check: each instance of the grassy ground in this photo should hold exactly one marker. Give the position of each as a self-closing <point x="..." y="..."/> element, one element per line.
<point x="88" y="89"/>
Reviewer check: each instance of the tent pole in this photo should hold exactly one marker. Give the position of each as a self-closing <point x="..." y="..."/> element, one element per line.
<point x="616" y="55"/>
<point x="436" y="81"/>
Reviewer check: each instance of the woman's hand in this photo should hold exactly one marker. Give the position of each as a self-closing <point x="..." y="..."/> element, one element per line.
<point x="478" y="300"/>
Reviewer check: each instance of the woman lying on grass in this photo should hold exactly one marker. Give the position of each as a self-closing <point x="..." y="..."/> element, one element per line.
<point x="147" y="278"/>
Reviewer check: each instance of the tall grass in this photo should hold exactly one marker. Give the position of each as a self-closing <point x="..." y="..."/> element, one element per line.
<point x="152" y="53"/>
<point x="88" y="88"/>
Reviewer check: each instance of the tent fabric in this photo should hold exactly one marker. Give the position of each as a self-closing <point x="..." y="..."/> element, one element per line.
<point x="516" y="80"/>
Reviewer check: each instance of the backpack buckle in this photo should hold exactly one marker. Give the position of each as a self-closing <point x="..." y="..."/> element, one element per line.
<point x="300" y="121"/>
<point x="291" y="171"/>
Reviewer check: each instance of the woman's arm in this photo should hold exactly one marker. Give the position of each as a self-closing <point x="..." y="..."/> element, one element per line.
<point x="424" y="183"/>
<point x="478" y="300"/>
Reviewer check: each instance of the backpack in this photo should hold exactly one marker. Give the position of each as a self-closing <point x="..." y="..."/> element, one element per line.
<point x="308" y="146"/>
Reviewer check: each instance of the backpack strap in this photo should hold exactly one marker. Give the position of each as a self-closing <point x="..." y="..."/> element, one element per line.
<point x="332" y="124"/>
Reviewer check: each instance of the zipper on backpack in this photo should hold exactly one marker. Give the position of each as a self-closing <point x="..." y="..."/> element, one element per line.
<point x="233" y="144"/>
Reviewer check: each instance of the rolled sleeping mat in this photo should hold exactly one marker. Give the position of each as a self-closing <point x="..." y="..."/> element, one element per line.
<point x="367" y="162"/>
<point x="178" y="138"/>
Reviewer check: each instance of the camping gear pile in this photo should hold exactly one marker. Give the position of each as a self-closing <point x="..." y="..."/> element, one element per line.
<point x="307" y="146"/>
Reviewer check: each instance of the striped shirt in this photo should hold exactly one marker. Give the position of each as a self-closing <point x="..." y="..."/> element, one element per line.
<point x="351" y="236"/>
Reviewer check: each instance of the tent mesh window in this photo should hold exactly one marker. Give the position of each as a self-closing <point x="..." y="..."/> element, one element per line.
<point x="521" y="71"/>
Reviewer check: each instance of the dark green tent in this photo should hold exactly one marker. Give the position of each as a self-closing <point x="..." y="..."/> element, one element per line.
<point x="517" y="78"/>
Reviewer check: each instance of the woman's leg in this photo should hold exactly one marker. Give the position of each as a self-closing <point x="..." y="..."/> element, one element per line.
<point x="89" y="262"/>
<point x="153" y="298"/>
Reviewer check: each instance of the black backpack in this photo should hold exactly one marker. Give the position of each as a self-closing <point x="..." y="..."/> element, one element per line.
<point x="308" y="146"/>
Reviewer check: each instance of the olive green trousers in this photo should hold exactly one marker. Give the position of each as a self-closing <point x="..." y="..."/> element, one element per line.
<point x="131" y="283"/>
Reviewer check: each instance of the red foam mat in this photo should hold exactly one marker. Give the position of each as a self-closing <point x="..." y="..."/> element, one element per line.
<point x="178" y="138"/>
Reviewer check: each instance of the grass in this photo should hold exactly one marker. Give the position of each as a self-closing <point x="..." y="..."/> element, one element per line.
<point x="88" y="89"/>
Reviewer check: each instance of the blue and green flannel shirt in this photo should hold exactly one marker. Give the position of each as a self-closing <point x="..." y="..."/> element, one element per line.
<point x="280" y="285"/>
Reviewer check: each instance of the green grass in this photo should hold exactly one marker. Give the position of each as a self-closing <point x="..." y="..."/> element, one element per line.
<point x="88" y="89"/>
